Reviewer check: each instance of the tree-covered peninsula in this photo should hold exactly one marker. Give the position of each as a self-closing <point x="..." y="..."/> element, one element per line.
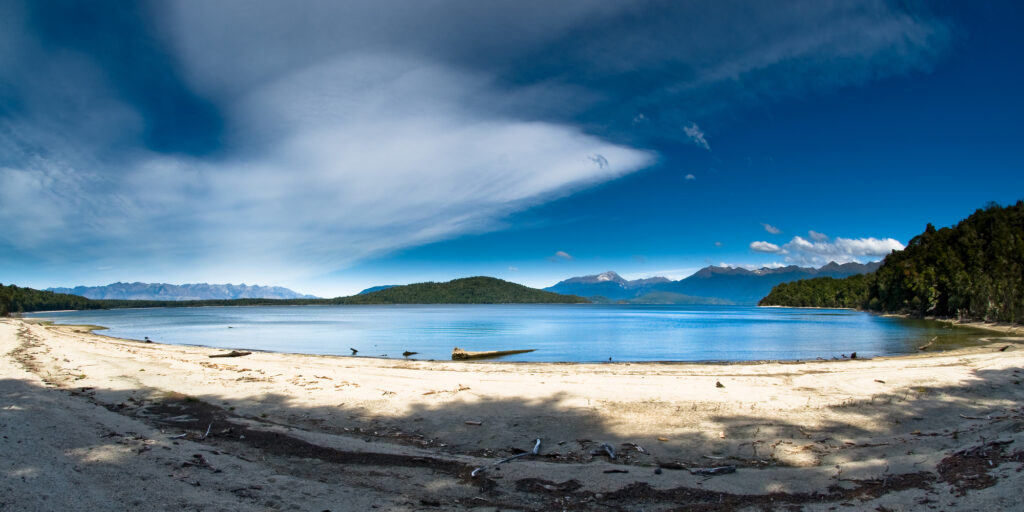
<point x="469" y="290"/>
<point x="971" y="271"/>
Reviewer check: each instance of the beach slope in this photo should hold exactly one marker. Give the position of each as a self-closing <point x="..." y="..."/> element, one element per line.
<point x="90" y="422"/>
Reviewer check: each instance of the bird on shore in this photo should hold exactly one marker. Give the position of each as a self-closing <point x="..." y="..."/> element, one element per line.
<point x="354" y="351"/>
<point x="407" y="353"/>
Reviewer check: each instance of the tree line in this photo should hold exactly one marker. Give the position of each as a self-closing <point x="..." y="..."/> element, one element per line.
<point x="470" y="290"/>
<point x="971" y="271"/>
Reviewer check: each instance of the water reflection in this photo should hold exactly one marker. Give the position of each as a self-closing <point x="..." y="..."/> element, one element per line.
<point x="575" y="333"/>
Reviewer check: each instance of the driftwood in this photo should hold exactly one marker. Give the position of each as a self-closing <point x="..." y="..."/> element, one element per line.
<point x="926" y="345"/>
<point x="461" y="355"/>
<point x="536" y="450"/>
<point x="720" y="470"/>
<point x="233" y="353"/>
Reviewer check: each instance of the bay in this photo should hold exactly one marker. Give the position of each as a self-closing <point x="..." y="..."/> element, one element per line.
<point x="559" y="333"/>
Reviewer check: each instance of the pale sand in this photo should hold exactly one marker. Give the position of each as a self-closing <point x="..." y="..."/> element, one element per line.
<point x="87" y="424"/>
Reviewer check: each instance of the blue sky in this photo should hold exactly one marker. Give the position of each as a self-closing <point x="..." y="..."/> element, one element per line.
<point x="330" y="146"/>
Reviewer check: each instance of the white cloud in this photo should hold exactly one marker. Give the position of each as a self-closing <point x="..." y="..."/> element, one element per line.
<point x="513" y="269"/>
<point x="766" y="247"/>
<point x="718" y="244"/>
<point x="771" y="229"/>
<point x="800" y="251"/>
<point x="690" y="177"/>
<point x="696" y="135"/>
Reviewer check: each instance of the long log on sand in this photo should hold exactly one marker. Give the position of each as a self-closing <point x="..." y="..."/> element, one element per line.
<point x="461" y="355"/>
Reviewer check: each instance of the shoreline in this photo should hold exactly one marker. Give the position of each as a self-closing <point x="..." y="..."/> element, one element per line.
<point x="1004" y="329"/>
<point x="289" y="430"/>
<point x="1015" y="329"/>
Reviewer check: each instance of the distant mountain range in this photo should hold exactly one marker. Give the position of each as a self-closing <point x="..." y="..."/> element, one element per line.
<point x="177" y="292"/>
<point x="710" y="285"/>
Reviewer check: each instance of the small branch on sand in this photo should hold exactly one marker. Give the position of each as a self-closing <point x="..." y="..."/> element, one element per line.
<point x="536" y="450"/>
<point x="720" y="470"/>
<point x="233" y="353"/>
<point x="207" y="434"/>
<point x="179" y="436"/>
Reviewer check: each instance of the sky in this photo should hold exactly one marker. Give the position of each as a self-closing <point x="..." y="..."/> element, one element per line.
<point x="331" y="146"/>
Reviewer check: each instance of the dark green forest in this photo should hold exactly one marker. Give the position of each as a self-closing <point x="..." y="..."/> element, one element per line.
<point x="470" y="290"/>
<point x="971" y="271"/>
<point x="14" y="299"/>
<point x="851" y="292"/>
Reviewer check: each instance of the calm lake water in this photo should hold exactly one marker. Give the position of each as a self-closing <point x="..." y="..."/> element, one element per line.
<point x="578" y="333"/>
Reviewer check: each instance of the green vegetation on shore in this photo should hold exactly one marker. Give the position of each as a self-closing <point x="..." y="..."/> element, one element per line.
<point x="971" y="271"/>
<point x="470" y="290"/>
<point x="15" y="299"/>
<point x="821" y="292"/>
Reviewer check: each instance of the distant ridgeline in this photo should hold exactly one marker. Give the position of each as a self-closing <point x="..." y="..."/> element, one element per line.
<point x="974" y="270"/>
<point x="470" y="290"/>
<point x="198" y="291"/>
<point x="709" y="285"/>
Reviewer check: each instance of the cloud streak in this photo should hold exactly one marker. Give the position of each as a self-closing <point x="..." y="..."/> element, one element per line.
<point x="696" y="135"/>
<point x="302" y="144"/>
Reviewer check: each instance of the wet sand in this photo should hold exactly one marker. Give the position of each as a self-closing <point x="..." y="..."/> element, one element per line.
<point x="91" y="422"/>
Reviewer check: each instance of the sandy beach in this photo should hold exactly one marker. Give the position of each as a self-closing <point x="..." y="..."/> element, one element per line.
<point x="91" y="423"/>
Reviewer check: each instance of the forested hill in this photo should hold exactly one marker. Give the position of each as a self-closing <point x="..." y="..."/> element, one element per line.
<point x="470" y="290"/>
<point x="974" y="270"/>
<point x="15" y="299"/>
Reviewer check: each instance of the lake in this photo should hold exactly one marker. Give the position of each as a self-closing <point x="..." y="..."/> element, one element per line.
<point x="568" y="333"/>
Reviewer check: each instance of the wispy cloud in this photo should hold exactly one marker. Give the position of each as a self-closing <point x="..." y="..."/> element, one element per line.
<point x="560" y="256"/>
<point x="696" y="135"/>
<point x="690" y="177"/>
<point x="817" y="237"/>
<point x="771" y="229"/>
